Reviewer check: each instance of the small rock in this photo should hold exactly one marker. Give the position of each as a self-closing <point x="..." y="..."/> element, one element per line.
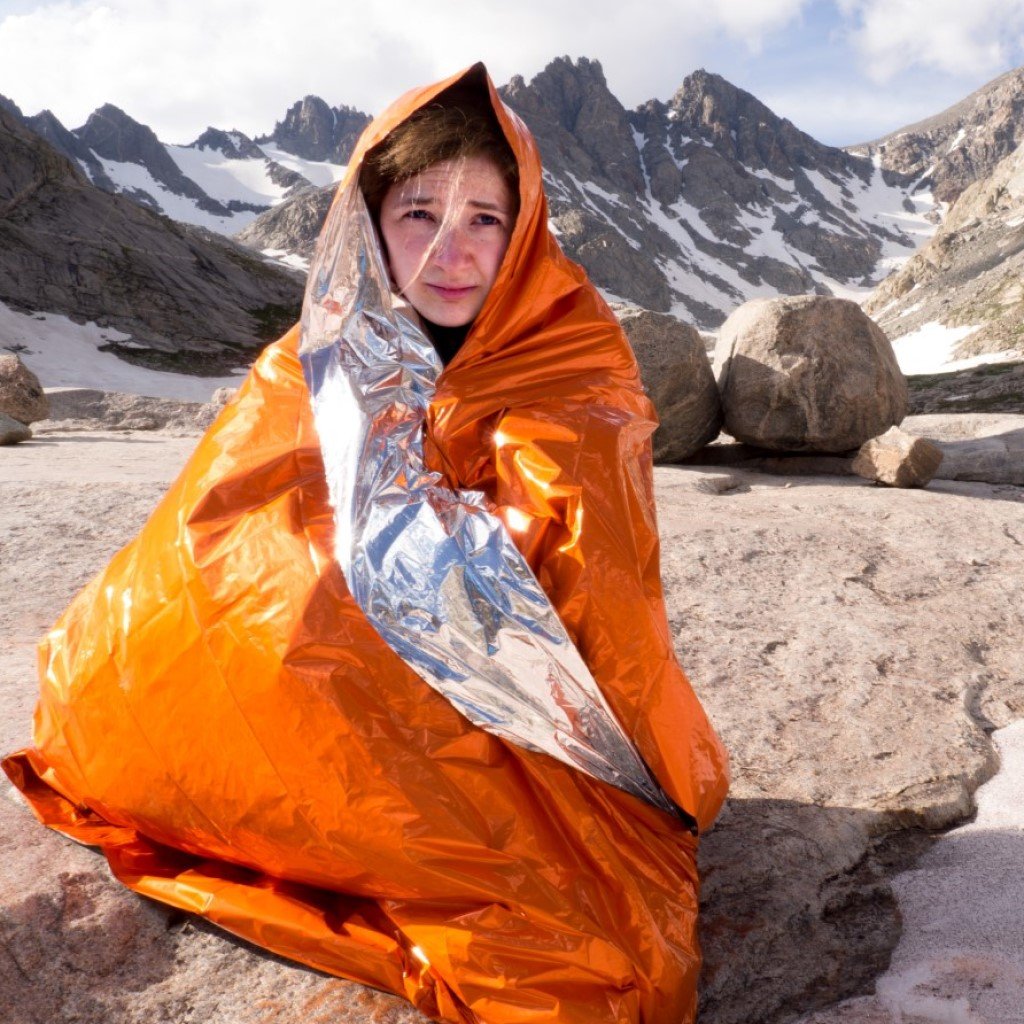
<point x="21" y="395"/>
<point x="718" y="483"/>
<point x="12" y="431"/>
<point x="807" y="373"/>
<point x="898" y="459"/>
<point x="222" y="396"/>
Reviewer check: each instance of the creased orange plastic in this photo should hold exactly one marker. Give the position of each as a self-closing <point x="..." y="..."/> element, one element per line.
<point x="219" y="717"/>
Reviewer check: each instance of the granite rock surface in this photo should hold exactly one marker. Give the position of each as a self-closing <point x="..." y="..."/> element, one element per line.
<point x="853" y="644"/>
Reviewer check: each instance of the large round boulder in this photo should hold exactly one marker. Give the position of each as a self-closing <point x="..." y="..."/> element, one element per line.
<point x="677" y="375"/>
<point x="807" y="373"/>
<point x="21" y="395"/>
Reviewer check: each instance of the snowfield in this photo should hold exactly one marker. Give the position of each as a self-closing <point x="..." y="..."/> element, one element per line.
<point x="62" y="353"/>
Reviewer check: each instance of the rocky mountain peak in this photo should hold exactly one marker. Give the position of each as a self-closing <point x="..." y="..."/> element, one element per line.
<point x="567" y="89"/>
<point x="113" y="135"/>
<point x="11" y="107"/>
<point x="234" y="145"/>
<point x="316" y="131"/>
<point x="28" y="164"/>
<point x="711" y="109"/>
<point x="580" y="126"/>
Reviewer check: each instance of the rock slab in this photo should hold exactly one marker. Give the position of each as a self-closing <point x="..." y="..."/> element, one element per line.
<point x="807" y="373"/>
<point x="88" y="409"/>
<point x="21" y="395"/>
<point x="677" y="375"/>
<point x="898" y="459"/>
<point x="12" y="431"/>
<point x="852" y="643"/>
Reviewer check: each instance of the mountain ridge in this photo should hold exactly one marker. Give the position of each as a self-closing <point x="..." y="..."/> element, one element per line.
<point x="691" y="205"/>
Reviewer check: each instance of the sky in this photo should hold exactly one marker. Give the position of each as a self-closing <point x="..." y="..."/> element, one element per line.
<point x="845" y="71"/>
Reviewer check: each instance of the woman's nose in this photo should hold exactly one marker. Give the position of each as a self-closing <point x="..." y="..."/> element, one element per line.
<point x="451" y="248"/>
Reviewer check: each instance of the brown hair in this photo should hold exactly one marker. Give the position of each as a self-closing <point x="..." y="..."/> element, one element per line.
<point x="433" y="134"/>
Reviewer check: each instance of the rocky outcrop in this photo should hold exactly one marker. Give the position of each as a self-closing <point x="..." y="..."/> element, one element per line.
<point x="970" y="274"/>
<point x="991" y="387"/>
<point x="807" y="373"/>
<point x="951" y="150"/>
<point x="898" y="459"/>
<point x="21" y="395"/>
<point x="975" y="447"/>
<point x="316" y="131"/>
<point x="292" y="226"/>
<point x="188" y="299"/>
<point x="87" y="409"/>
<point x="233" y="145"/>
<point x="677" y="376"/>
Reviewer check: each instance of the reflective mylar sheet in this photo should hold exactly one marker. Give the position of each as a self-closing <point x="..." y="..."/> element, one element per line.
<point x="220" y="715"/>
<point x="435" y="572"/>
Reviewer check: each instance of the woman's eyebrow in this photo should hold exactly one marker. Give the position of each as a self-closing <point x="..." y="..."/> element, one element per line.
<point x="482" y="204"/>
<point x="477" y="204"/>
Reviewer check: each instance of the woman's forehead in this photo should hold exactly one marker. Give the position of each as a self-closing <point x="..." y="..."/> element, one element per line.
<point x="464" y="179"/>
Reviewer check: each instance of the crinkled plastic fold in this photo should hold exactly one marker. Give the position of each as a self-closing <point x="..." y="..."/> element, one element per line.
<point x="385" y="684"/>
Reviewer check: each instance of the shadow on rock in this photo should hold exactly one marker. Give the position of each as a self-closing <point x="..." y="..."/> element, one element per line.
<point x="797" y="911"/>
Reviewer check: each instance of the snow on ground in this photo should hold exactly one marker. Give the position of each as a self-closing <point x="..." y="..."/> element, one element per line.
<point x="929" y="349"/>
<point x="62" y="353"/>
<point x="287" y="259"/>
<point x="960" y="959"/>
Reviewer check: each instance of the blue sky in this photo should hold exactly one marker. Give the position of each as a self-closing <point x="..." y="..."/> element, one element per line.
<point x="842" y="70"/>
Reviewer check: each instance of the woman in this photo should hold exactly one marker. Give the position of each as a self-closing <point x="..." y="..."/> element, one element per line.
<point x="323" y="699"/>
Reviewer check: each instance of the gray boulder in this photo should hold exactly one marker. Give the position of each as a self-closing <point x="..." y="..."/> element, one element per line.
<point x="21" y="395"/>
<point x="807" y="373"/>
<point x="12" y="431"/>
<point x="677" y="374"/>
<point x="898" y="459"/>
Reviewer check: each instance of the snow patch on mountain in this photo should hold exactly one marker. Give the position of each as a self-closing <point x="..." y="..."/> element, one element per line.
<point x="226" y="179"/>
<point x="62" y="353"/>
<point x="138" y="183"/>
<point x="247" y="181"/>
<point x="316" y="172"/>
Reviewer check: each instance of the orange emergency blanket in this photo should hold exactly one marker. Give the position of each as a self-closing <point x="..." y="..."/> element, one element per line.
<point x="222" y="720"/>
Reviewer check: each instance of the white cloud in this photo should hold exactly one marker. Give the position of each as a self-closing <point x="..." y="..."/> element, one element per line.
<point x="960" y="37"/>
<point x="236" y="64"/>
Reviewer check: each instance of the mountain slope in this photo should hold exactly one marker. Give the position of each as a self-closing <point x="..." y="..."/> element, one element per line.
<point x="221" y="181"/>
<point x="187" y="298"/>
<point x="970" y="277"/>
<point x="960" y="145"/>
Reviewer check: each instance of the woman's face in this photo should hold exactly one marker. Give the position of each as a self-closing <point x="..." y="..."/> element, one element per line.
<point x="446" y="231"/>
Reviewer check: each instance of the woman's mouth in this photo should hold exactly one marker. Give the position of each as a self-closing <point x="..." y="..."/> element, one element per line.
<point x="449" y="292"/>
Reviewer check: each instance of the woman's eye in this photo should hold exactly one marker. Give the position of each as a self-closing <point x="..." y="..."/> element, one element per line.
<point x="419" y="215"/>
<point x="488" y="219"/>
